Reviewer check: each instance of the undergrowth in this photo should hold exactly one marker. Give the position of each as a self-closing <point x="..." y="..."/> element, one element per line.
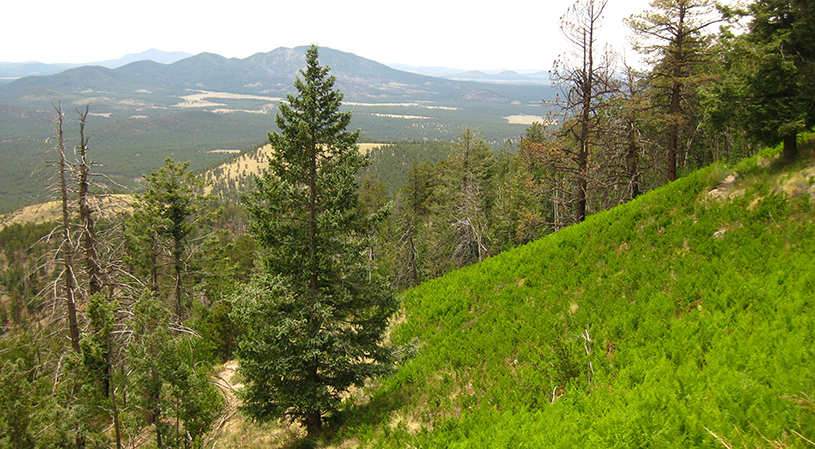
<point x="676" y="320"/>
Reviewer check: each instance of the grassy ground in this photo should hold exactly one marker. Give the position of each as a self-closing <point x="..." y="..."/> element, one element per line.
<point x="681" y="319"/>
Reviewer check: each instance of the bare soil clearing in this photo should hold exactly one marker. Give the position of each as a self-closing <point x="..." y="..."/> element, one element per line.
<point x="523" y="119"/>
<point x="50" y="211"/>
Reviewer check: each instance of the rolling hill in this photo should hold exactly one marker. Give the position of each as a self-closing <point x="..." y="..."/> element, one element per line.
<point x="263" y="73"/>
<point x="146" y="111"/>
<point x="12" y="70"/>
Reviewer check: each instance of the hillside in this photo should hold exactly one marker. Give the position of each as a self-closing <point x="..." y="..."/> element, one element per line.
<point x="681" y="319"/>
<point x="50" y="211"/>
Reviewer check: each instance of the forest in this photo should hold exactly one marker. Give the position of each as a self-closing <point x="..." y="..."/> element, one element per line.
<point x="463" y="284"/>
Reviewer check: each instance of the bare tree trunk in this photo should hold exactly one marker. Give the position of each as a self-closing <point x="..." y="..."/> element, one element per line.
<point x="408" y="250"/>
<point x="633" y="169"/>
<point x="413" y="267"/>
<point x="587" y="93"/>
<point x="70" y="282"/>
<point x="89" y="241"/>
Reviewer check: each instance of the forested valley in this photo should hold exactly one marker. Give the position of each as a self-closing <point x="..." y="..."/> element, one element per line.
<point x="337" y="279"/>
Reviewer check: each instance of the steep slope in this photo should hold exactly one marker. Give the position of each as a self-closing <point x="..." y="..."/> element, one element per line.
<point x="681" y="319"/>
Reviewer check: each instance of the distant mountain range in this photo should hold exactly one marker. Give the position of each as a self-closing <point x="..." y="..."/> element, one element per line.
<point x="13" y="70"/>
<point x="499" y="76"/>
<point x="196" y="107"/>
<point x="262" y="73"/>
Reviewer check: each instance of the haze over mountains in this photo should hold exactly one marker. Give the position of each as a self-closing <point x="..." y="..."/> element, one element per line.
<point x="145" y="111"/>
<point x="262" y="73"/>
<point x="13" y="70"/>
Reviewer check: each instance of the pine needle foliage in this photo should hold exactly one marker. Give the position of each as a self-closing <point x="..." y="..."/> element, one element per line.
<point x="315" y="317"/>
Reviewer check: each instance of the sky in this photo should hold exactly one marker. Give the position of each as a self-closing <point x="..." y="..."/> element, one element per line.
<point x="472" y="35"/>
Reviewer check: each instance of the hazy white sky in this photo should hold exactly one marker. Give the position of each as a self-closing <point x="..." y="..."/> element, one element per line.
<point x="472" y="34"/>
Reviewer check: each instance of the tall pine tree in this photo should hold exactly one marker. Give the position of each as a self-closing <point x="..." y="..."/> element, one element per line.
<point x="672" y="34"/>
<point x="315" y="318"/>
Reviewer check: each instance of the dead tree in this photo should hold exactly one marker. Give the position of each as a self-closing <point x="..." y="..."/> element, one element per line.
<point x="86" y="220"/>
<point x="65" y="227"/>
<point x="585" y="78"/>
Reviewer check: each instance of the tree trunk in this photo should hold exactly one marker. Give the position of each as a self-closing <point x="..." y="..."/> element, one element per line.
<point x="673" y="134"/>
<point x="312" y="219"/>
<point x="790" y="147"/>
<point x="177" y="269"/>
<point x="582" y="185"/>
<point x="412" y="266"/>
<point x="314" y="423"/>
<point x="585" y="116"/>
<point x="70" y="283"/>
<point x="633" y="173"/>
<point x="85" y="212"/>
<point x="313" y="418"/>
<point x="112" y="395"/>
<point x="159" y="443"/>
<point x="676" y="95"/>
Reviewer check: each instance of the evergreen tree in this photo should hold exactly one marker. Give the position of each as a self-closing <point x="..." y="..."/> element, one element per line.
<point x="781" y="90"/>
<point x="95" y="371"/>
<point x="162" y="225"/>
<point x="411" y="212"/>
<point x="314" y="319"/>
<point x="671" y="34"/>
<point x="543" y="155"/>
<point x="517" y="214"/>
<point x="178" y="401"/>
<point x="15" y="406"/>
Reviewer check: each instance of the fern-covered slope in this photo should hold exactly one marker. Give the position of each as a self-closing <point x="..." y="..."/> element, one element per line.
<point x="696" y="312"/>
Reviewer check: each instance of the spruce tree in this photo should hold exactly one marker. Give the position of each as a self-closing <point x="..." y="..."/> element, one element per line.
<point x="781" y="89"/>
<point x="162" y="226"/>
<point x="315" y="317"/>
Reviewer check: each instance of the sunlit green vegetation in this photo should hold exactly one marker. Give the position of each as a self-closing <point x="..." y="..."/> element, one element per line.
<point x="615" y="276"/>
<point x="676" y="320"/>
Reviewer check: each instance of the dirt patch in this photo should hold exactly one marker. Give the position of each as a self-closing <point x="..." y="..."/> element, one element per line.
<point x="800" y="183"/>
<point x="724" y="188"/>
<point x="523" y="119"/>
<point x="366" y="148"/>
<point x="254" y="162"/>
<point x="233" y="430"/>
<point x="201" y="96"/>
